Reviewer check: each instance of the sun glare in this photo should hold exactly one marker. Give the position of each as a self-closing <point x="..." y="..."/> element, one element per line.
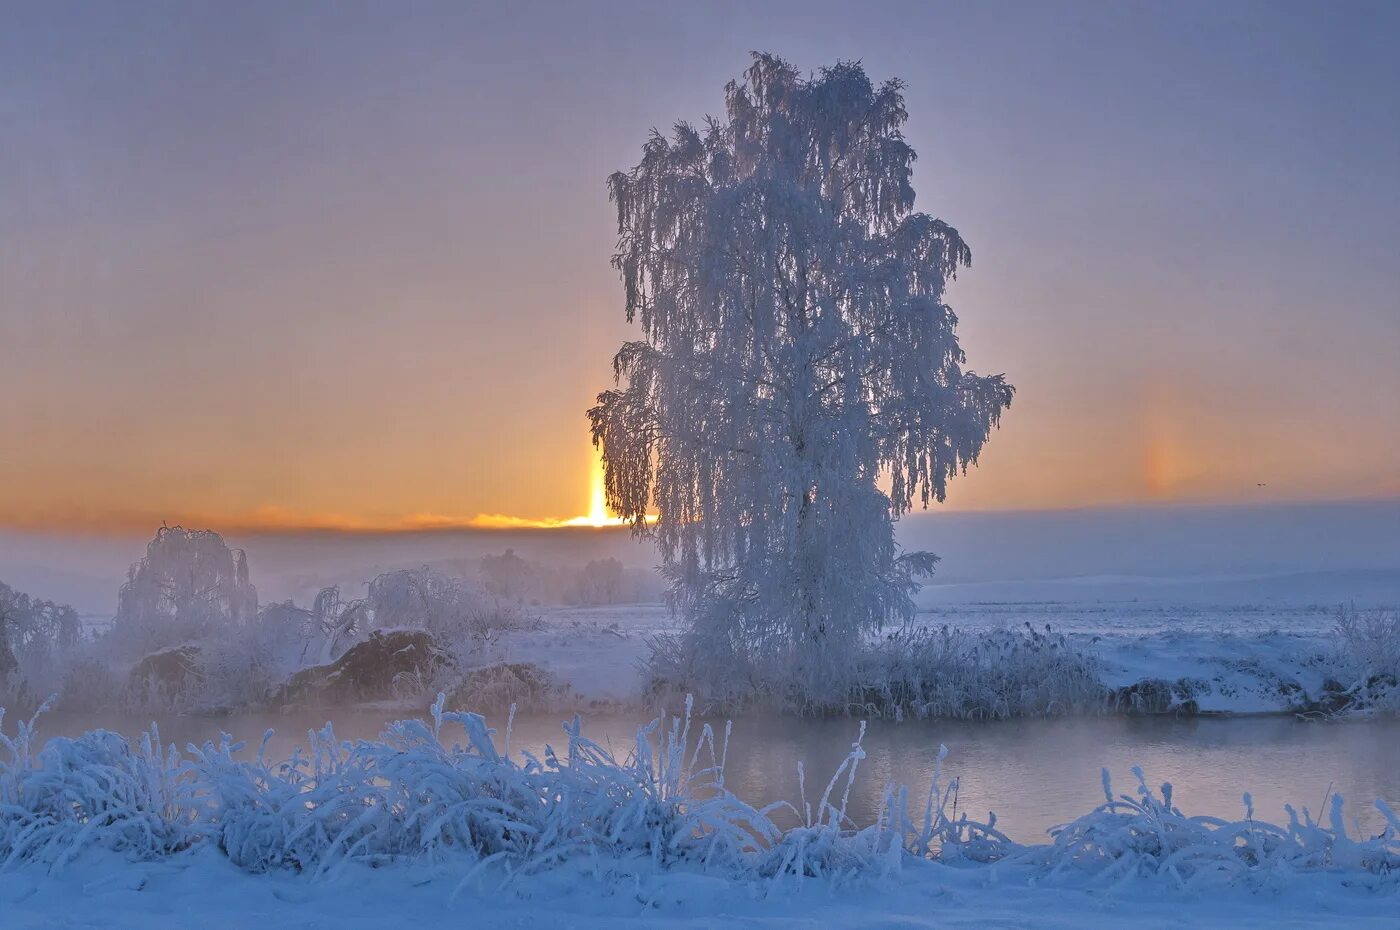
<point x="598" y="514"/>
<point x="598" y="508"/>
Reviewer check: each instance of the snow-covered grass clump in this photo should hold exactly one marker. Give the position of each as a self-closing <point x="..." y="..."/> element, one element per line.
<point x="95" y="791"/>
<point x="996" y="674"/>
<point x="411" y="796"/>
<point x="1145" y="835"/>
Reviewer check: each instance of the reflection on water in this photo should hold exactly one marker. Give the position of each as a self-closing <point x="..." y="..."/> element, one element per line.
<point x="1033" y="773"/>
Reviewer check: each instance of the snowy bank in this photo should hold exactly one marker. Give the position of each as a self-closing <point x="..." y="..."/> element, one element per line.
<point x="1144" y="657"/>
<point x="654" y="835"/>
<point x="202" y="889"/>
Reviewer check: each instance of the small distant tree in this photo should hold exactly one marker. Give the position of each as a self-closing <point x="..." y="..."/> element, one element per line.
<point x="189" y="584"/>
<point x="799" y="383"/>
<point x="8" y="663"/>
<point x="421" y="599"/>
<point x="599" y="582"/>
<point x="446" y="606"/>
<point x="34" y="633"/>
<point x="508" y="575"/>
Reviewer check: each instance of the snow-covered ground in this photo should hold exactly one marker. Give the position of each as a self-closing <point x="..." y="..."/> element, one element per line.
<point x="595" y="652"/>
<point x="202" y="890"/>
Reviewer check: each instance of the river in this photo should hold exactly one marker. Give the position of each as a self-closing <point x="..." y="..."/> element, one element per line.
<point x="1033" y="773"/>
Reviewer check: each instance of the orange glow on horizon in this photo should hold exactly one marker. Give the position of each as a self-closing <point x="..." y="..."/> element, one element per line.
<point x="274" y="519"/>
<point x="1167" y="468"/>
<point x="598" y="515"/>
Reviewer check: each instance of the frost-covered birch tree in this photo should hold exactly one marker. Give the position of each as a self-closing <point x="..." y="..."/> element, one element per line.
<point x="799" y="384"/>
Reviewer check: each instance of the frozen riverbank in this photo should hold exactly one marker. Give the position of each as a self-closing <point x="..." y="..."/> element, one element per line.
<point x="415" y="828"/>
<point x="1251" y="659"/>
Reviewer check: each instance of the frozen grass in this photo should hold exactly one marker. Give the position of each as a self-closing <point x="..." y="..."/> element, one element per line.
<point x="413" y="797"/>
<point x="950" y="673"/>
<point x="918" y="672"/>
<point x="96" y="791"/>
<point x="1131" y="836"/>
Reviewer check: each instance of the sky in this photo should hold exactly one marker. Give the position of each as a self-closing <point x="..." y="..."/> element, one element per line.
<point x="346" y="265"/>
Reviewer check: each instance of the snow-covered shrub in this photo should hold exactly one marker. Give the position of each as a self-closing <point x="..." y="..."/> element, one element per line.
<point x="449" y="608"/>
<point x="1368" y="645"/>
<point x="96" y="791"/>
<point x="499" y="685"/>
<point x="725" y="680"/>
<point x="411" y="796"/>
<point x="1147" y="836"/>
<point x="90" y="681"/>
<point x="245" y="665"/>
<point x="33" y="629"/>
<point x="334" y="625"/>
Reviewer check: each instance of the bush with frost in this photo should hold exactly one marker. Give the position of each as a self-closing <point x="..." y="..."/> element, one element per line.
<point x="458" y="614"/>
<point x="246" y="665"/>
<point x="97" y="791"/>
<point x="1144" y="835"/>
<point x="1368" y="657"/>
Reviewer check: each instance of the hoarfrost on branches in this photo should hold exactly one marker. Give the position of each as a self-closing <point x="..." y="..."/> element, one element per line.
<point x="797" y="359"/>
<point x="37" y="637"/>
<point x="448" y="607"/>
<point x="189" y="585"/>
<point x="336" y="623"/>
